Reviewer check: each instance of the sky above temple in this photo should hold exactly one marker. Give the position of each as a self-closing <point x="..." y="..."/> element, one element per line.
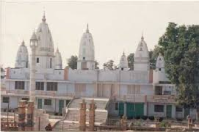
<point x="115" y="26"/>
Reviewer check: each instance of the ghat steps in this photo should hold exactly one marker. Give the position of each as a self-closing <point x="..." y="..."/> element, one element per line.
<point x="71" y="119"/>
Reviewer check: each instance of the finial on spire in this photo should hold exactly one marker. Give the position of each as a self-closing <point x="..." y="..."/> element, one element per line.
<point x="142" y="36"/>
<point x="123" y="52"/>
<point x="23" y="42"/>
<point x="87" y="30"/>
<point x="44" y="17"/>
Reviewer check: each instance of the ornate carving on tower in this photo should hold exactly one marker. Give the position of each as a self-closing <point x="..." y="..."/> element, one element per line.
<point x="141" y="57"/>
<point x="86" y="52"/>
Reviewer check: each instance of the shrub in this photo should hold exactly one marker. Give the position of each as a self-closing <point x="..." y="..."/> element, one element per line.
<point x="137" y="123"/>
<point x="56" y="113"/>
<point x="164" y="124"/>
<point x="160" y="119"/>
<point x="151" y="118"/>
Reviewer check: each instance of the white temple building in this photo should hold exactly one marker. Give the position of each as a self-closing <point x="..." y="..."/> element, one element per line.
<point x="138" y="92"/>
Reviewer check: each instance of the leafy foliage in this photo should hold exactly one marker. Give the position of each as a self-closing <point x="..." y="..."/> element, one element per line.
<point x="96" y="65"/>
<point x="180" y="45"/>
<point x="153" y="54"/>
<point x="130" y="59"/>
<point x="72" y="62"/>
<point x="110" y="65"/>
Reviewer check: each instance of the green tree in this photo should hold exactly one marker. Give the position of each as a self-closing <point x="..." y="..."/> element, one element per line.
<point x="110" y="65"/>
<point x="130" y="59"/>
<point x="96" y="65"/>
<point x="72" y="62"/>
<point x="180" y="45"/>
<point x="153" y="54"/>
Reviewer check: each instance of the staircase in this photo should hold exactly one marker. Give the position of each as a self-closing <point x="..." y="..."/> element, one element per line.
<point x="71" y="120"/>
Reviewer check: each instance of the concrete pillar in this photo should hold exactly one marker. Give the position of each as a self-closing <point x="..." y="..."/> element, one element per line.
<point x="82" y="116"/>
<point x="125" y="107"/>
<point x="145" y="105"/>
<point x="21" y="112"/>
<point x="173" y="111"/>
<point x="145" y="109"/>
<point x="92" y="115"/>
<point x="30" y="116"/>
<point x="33" y="45"/>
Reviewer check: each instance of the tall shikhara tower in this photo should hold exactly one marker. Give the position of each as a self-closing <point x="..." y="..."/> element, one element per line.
<point x="141" y="57"/>
<point x="86" y="52"/>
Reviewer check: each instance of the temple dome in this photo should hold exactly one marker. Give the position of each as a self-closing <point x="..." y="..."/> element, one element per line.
<point x="22" y="57"/>
<point x="58" y="60"/>
<point x="123" y="62"/>
<point x="45" y="41"/>
<point x="142" y="49"/>
<point x="86" y="49"/>
<point x="141" y="57"/>
<point x="160" y="63"/>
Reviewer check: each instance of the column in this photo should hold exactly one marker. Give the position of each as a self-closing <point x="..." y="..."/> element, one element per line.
<point x="82" y="116"/>
<point x="21" y="112"/>
<point x="125" y="104"/>
<point x="92" y="116"/>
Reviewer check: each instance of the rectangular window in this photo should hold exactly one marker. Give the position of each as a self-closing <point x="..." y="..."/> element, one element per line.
<point x="179" y="109"/>
<point x="39" y="85"/>
<point x="116" y="106"/>
<point x="167" y="92"/>
<point x="19" y="85"/>
<point x="5" y="99"/>
<point x="52" y="86"/>
<point x="47" y="102"/>
<point x="158" y="90"/>
<point x="158" y="108"/>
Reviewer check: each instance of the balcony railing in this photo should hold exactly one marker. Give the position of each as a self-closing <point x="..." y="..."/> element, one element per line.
<point x="161" y="98"/>
<point x="14" y="92"/>
<point x="37" y="92"/>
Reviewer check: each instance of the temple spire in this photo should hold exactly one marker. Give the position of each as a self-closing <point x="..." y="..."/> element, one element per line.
<point x="44" y="17"/>
<point x="23" y="42"/>
<point x="142" y="38"/>
<point x="87" y="30"/>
